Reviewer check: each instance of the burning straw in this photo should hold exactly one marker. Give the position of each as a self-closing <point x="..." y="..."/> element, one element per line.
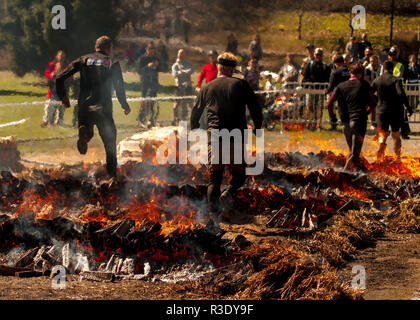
<point x="406" y="218"/>
<point x="279" y="270"/>
<point x="339" y="241"/>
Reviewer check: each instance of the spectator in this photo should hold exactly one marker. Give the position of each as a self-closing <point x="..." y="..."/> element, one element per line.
<point x="339" y="75"/>
<point x="413" y="75"/>
<point x="49" y="73"/>
<point x="255" y="50"/>
<point x="400" y="71"/>
<point x="334" y="54"/>
<point x="310" y="56"/>
<point x="310" y="49"/>
<point x="209" y="71"/>
<point x="55" y="112"/>
<point x="270" y="85"/>
<point x="347" y="59"/>
<point x="252" y="74"/>
<point x="372" y="69"/>
<point x="316" y="71"/>
<point x="365" y="60"/>
<point x="182" y="70"/>
<point x="289" y="72"/>
<point x="352" y="49"/>
<point x="148" y="68"/>
<point x="363" y="45"/>
<point x="371" y="73"/>
<point x="383" y="54"/>
<point x="232" y="44"/>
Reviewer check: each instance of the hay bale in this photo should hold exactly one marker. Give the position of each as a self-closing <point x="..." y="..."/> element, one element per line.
<point x="9" y="154"/>
<point x="354" y="230"/>
<point x="277" y="270"/>
<point x="407" y="217"/>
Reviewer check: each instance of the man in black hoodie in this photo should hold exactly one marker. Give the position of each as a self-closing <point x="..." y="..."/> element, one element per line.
<point x="340" y="74"/>
<point x="390" y="109"/>
<point x="98" y="76"/>
<point x="354" y="96"/>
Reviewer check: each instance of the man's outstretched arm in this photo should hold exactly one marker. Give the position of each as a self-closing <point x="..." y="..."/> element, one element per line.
<point x="118" y="82"/>
<point x="72" y="68"/>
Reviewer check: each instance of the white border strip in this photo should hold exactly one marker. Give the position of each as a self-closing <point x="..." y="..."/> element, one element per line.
<point x="13" y="123"/>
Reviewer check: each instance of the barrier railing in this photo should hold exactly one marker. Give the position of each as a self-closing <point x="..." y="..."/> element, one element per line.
<point x="303" y="104"/>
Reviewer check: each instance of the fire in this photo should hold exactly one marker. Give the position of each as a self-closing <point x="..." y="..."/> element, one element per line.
<point x="40" y="207"/>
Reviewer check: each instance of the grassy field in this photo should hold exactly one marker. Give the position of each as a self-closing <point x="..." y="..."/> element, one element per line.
<point x="279" y="33"/>
<point x="33" y="88"/>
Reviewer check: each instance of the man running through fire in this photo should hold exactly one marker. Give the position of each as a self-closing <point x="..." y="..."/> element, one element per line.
<point x="225" y="100"/>
<point x="390" y="109"/>
<point x="354" y="96"/>
<point x="98" y="75"/>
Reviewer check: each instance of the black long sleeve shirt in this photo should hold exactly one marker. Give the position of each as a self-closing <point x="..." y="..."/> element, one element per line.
<point x="225" y="99"/>
<point x="98" y="78"/>
<point x="354" y="96"/>
<point x="391" y="94"/>
<point x="338" y="76"/>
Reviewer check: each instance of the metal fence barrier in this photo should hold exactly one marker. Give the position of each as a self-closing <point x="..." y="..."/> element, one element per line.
<point x="294" y="106"/>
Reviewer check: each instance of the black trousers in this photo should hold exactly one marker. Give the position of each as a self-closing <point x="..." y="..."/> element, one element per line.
<point x="95" y="115"/>
<point x="238" y="177"/>
<point x="354" y="132"/>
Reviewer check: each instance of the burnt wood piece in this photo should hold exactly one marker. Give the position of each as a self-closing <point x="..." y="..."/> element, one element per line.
<point x="26" y="258"/>
<point x="349" y="205"/>
<point x="123" y="228"/>
<point x="274" y="219"/>
<point x="28" y="274"/>
<point x="100" y="276"/>
<point x="11" y="271"/>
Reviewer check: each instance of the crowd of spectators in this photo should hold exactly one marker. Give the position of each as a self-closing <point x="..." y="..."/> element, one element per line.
<point x="150" y="59"/>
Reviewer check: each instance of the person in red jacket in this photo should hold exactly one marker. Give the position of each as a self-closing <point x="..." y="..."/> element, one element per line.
<point x="209" y="71"/>
<point x="49" y="114"/>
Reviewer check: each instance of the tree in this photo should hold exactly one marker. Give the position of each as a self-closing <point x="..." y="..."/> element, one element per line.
<point x="28" y="36"/>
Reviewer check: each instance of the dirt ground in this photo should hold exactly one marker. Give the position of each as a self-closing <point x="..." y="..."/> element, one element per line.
<point x="392" y="268"/>
<point x="275" y="141"/>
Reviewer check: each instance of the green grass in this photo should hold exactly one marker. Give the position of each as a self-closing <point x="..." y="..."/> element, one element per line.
<point x="33" y="88"/>
<point x="279" y="33"/>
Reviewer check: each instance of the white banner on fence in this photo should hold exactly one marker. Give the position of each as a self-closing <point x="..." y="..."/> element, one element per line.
<point x="13" y="123"/>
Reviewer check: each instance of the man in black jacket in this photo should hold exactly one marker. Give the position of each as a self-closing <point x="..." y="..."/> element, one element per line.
<point x="98" y="76"/>
<point x="339" y="75"/>
<point x="354" y="96"/>
<point x="224" y="100"/>
<point x="390" y="109"/>
<point x="316" y="71"/>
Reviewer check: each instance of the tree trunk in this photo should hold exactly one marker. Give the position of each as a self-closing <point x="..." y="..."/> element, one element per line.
<point x="300" y="25"/>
